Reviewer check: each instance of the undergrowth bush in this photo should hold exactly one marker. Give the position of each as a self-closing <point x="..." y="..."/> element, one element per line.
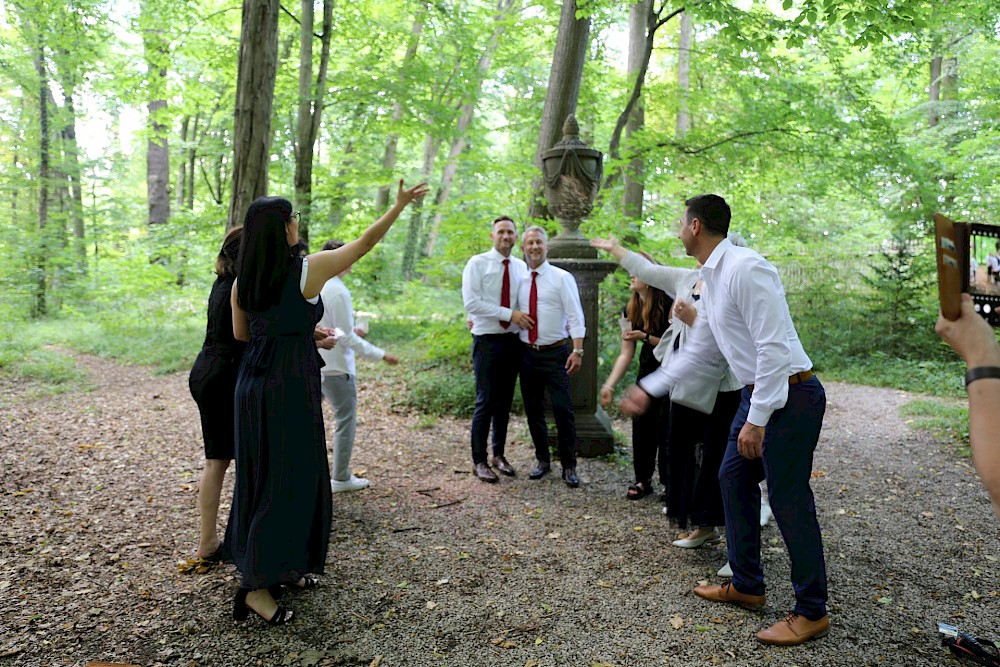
<point x="23" y="355"/>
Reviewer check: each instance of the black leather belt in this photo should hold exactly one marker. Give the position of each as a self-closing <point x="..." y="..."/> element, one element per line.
<point x="550" y="346"/>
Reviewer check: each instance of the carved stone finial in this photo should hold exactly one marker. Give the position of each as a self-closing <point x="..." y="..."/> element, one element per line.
<point x="571" y="128"/>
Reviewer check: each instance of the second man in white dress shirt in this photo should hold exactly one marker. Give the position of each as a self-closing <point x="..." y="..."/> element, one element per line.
<point x="552" y="299"/>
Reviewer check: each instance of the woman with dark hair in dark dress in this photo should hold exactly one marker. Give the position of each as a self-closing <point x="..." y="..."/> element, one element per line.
<point x="279" y="526"/>
<point x="212" y="383"/>
<point x="648" y="316"/>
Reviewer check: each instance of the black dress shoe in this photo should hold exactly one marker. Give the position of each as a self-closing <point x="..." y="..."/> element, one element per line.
<point x="485" y="473"/>
<point x="500" y="463"/>
<point x="569" y="476"/>
<point x="540" y="470"/>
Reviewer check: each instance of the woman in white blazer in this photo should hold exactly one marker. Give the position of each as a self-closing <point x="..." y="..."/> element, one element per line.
<point x="694" y="499"/>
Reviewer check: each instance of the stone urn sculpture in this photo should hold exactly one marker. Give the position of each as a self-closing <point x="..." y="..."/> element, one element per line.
<point x="573" y="171"/>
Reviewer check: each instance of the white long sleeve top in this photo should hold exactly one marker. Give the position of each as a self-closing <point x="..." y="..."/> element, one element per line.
<point x="338" y="311"/>
<point x="746" y="312"/>
<point x="679" y="285"/>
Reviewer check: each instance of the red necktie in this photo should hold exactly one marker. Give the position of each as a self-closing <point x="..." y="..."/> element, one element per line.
<point x="533" y="308"/>
<point x="505" y="291"/>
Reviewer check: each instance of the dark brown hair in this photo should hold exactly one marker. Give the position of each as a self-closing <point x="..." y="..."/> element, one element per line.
<point x="649" y="313"/>
<point x="225" y="263"/>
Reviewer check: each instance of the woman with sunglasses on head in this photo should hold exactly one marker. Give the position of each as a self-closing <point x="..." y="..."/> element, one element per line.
<point x="279" y="526"/>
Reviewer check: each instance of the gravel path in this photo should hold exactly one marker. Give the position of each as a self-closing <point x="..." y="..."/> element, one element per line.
<point x="431" y="567"/>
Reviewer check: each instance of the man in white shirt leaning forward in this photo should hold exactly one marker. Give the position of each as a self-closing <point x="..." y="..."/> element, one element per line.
<point x="776" y="427"/>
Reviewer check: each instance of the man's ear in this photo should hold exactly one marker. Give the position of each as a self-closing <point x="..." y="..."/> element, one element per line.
<point x="695" y="226"/>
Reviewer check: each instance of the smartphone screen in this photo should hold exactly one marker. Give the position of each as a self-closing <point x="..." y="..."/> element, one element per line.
<point x="984" y="270"/>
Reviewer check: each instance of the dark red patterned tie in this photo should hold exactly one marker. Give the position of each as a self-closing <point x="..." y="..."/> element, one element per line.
<point x="533" y="308"/>
<point x="505" y="291"/>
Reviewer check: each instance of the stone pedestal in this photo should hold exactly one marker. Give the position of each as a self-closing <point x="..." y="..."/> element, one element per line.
<point x="593" y="428"/>
<point x="571" y="244"/>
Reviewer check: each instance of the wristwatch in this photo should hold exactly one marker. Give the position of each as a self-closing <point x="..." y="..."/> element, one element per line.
<point x="578" y="350"/>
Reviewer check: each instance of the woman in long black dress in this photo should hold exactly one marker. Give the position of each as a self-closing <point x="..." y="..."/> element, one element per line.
<point x="648" y="313"/>
<point x="279" y="526"/>
<point x="212" y="383"/>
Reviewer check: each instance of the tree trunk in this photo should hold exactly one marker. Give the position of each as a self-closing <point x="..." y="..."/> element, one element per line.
<point x="258" y="62"/>
<point x="192" y="150"/>
<point x="338" y="201"/>
<point x="653" y="23"/>
<point x="389" y="158"/>
<point x="633" y="191"/>
<point x="310" y="107"/>
<point x="415" y="237"/>
<point x="563" y="92"/>
<point x="73" y="171"/>
<point x="464" y="119"/>
<point x="158" y="164"/>
<point x="39" y="306"/>
<point x="934" y="93"/>
<point x="156" y="52"/>
<point x="182" y="163"/>
<point x="684" y="75"/>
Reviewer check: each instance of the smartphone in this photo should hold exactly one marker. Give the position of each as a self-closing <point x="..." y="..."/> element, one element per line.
<point x="968" y="260"/>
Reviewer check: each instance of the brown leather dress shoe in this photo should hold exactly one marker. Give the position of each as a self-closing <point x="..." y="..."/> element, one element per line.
<point x="485" y="472"/>
<point x="794" y="630"/>
<point x="728" y="593"/>
<point x="500" y="463"/>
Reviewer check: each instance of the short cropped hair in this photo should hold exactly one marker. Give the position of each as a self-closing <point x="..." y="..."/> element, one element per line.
<point x="536" y="228"/>
<point x="502" y="218"/>
<point x="333" y="244"/>
<point x="712" y="210"/>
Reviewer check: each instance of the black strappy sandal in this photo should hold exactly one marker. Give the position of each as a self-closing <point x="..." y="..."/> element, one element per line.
<point x="639" y="490"/>
<point x="241" y="610"/>
<point x="305" y="583"/>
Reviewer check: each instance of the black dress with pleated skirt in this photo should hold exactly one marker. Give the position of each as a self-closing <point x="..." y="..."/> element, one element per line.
<point x="279" y="525"/>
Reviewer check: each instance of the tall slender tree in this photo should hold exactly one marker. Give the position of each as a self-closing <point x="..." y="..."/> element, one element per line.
<point x="157" y="53"/>
<point x="633" y="191"/>
<point x="392" y="140"/>
<point x="468" y="109"/>
<point x="563" y="91"/>
<point x="258" y="65"/>
<point x="310" y="106"/>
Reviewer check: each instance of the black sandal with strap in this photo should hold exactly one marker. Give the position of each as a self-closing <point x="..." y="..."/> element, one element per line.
<point x="305" y="583"/>
<point x="639" y="490"/>
<point x="241" y="610"/>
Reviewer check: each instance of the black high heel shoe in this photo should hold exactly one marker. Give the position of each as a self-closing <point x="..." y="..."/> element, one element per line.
<point x="241" y="610"/>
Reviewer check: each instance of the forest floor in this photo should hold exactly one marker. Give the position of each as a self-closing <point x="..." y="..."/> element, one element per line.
<point x="432" y="567"/>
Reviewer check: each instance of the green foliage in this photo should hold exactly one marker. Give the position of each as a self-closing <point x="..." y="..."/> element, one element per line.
<point x="23" y="354"/>
<point x="949" y="422"/>
<point x="812" y="119"/>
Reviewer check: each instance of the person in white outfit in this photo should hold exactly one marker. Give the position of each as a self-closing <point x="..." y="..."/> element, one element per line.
<point x="339" y="374"/>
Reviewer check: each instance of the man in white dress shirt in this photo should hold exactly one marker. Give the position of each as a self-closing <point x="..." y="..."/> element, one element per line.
<point x="489" y="291"/>
<point x="552" y="299"/>
<point x="776" y="428"/>
<point x="339" y="374"/>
